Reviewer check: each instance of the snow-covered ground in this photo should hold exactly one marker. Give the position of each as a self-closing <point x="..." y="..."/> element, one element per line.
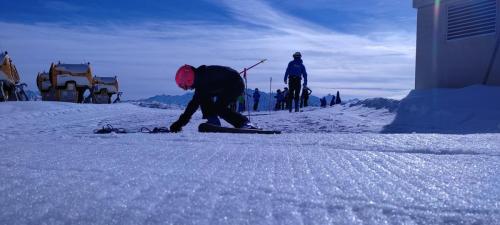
<point x="330" y="166"/>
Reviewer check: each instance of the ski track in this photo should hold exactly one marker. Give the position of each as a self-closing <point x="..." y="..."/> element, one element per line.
<point x="329" y="167"/>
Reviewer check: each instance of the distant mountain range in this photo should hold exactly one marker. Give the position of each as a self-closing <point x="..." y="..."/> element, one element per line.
<point x="183" y="100"/>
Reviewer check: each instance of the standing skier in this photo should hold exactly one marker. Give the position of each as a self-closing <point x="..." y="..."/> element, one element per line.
<point x="279" y="100"/>
<point x="286" y="95"/>
<point x="322" y="102"/>
<point x="216" y="87"/>
<point x="304" y="98"/>
<point x="337" y="99"/>
<point x="332" y="102"/>
<point x="293" y="75"/>
<point x="256" y="98"/>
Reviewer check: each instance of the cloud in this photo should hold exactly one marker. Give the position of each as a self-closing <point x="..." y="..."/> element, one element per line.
<point x="61" y="6"/>
<point x="145" y="56"/>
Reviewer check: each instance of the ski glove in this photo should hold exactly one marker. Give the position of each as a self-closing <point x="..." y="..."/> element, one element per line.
<point x="176" y="127"/>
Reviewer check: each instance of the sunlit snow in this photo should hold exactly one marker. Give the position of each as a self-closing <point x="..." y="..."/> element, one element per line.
<point x="330" y="166"/>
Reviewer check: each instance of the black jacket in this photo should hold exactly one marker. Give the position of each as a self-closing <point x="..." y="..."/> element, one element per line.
<point x="306" y="92"/>
<point x="212" y="81"/>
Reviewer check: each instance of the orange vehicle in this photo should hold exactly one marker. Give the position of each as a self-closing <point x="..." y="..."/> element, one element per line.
<point x="70" y="81"/>
<point x="45" y="87"/>
<point x="103" y="89"/>
<point x="9" y="78"/>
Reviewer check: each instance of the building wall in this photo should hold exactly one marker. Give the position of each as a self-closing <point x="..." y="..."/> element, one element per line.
<point x="442" y="63"/>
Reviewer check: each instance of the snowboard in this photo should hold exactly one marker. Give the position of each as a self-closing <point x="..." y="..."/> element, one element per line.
<point x="209" y="128"/>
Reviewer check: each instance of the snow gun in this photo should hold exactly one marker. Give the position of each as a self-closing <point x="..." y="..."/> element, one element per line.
<point x="244" y="72"/>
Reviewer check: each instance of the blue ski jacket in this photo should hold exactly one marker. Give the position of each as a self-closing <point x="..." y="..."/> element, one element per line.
<point x="279" y="97"/>
<point x="296" y="68"/>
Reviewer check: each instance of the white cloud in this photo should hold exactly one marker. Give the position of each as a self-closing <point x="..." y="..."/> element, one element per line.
<point x="146" y="56"/>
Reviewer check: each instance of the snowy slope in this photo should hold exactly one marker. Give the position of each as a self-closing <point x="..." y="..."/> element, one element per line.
<point x="331" y="166"/>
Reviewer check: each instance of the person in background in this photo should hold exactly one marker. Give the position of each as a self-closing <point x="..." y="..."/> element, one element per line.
<point x="332" y="102"/>
<point x="304" y="98"/>
<point x="279" y="100"/>
<point x="323" y="102"/>
<point x="293" y="76"/>
<point x="241" y="103"/>
<point x="285" y="102"/>
<point x="256" y="98"/>
<point x="337" y="99"/>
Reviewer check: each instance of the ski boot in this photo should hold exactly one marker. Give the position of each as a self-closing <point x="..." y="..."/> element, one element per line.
<point x="214" y="120"/>
<point x="251" y="126"/>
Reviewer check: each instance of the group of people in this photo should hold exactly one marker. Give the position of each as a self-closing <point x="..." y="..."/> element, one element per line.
<point x="334" y="101"/>
<point x="284" y="99"/>
<point x="217" y="88"/>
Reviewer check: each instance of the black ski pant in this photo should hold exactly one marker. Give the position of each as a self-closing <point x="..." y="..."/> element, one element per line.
<point x="220" y="105"/>
<point x="294" y="85"/>
<point x="255" y="105"/>
<point x="304" y="101"/>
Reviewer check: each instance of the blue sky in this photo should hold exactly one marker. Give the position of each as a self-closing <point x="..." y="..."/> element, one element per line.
<point x="363" y="48"/>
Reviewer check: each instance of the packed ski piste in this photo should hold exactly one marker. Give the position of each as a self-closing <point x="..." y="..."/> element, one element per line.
<point x="431" y="158"/>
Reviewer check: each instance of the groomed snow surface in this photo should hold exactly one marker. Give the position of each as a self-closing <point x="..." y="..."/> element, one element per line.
<point x="331" y="166"/>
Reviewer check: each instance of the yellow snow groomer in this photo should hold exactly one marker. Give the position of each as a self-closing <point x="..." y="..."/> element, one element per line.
<point x="45" y="87"/>
<point x="70" y="81"/>
<point x="104" y="88"/>
<point x="9" y="78"/>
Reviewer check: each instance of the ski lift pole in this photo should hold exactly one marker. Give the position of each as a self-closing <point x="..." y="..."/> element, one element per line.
<point x="270" y="94"/>
<point x="246" y="94"/>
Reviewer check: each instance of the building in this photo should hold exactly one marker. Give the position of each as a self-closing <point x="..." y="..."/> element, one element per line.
<point x="457" y="43"/>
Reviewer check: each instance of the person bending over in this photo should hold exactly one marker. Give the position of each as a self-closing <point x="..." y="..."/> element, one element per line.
<point x="216" y="87"/>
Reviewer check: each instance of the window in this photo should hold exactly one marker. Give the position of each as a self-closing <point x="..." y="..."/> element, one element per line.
<point x="472" y="18"/>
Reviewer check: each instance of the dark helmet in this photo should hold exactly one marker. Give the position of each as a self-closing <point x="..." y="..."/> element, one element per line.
<point x="297" y="55"/>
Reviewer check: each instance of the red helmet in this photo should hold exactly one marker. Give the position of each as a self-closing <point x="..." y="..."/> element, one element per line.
<point x="185" y="77"/>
